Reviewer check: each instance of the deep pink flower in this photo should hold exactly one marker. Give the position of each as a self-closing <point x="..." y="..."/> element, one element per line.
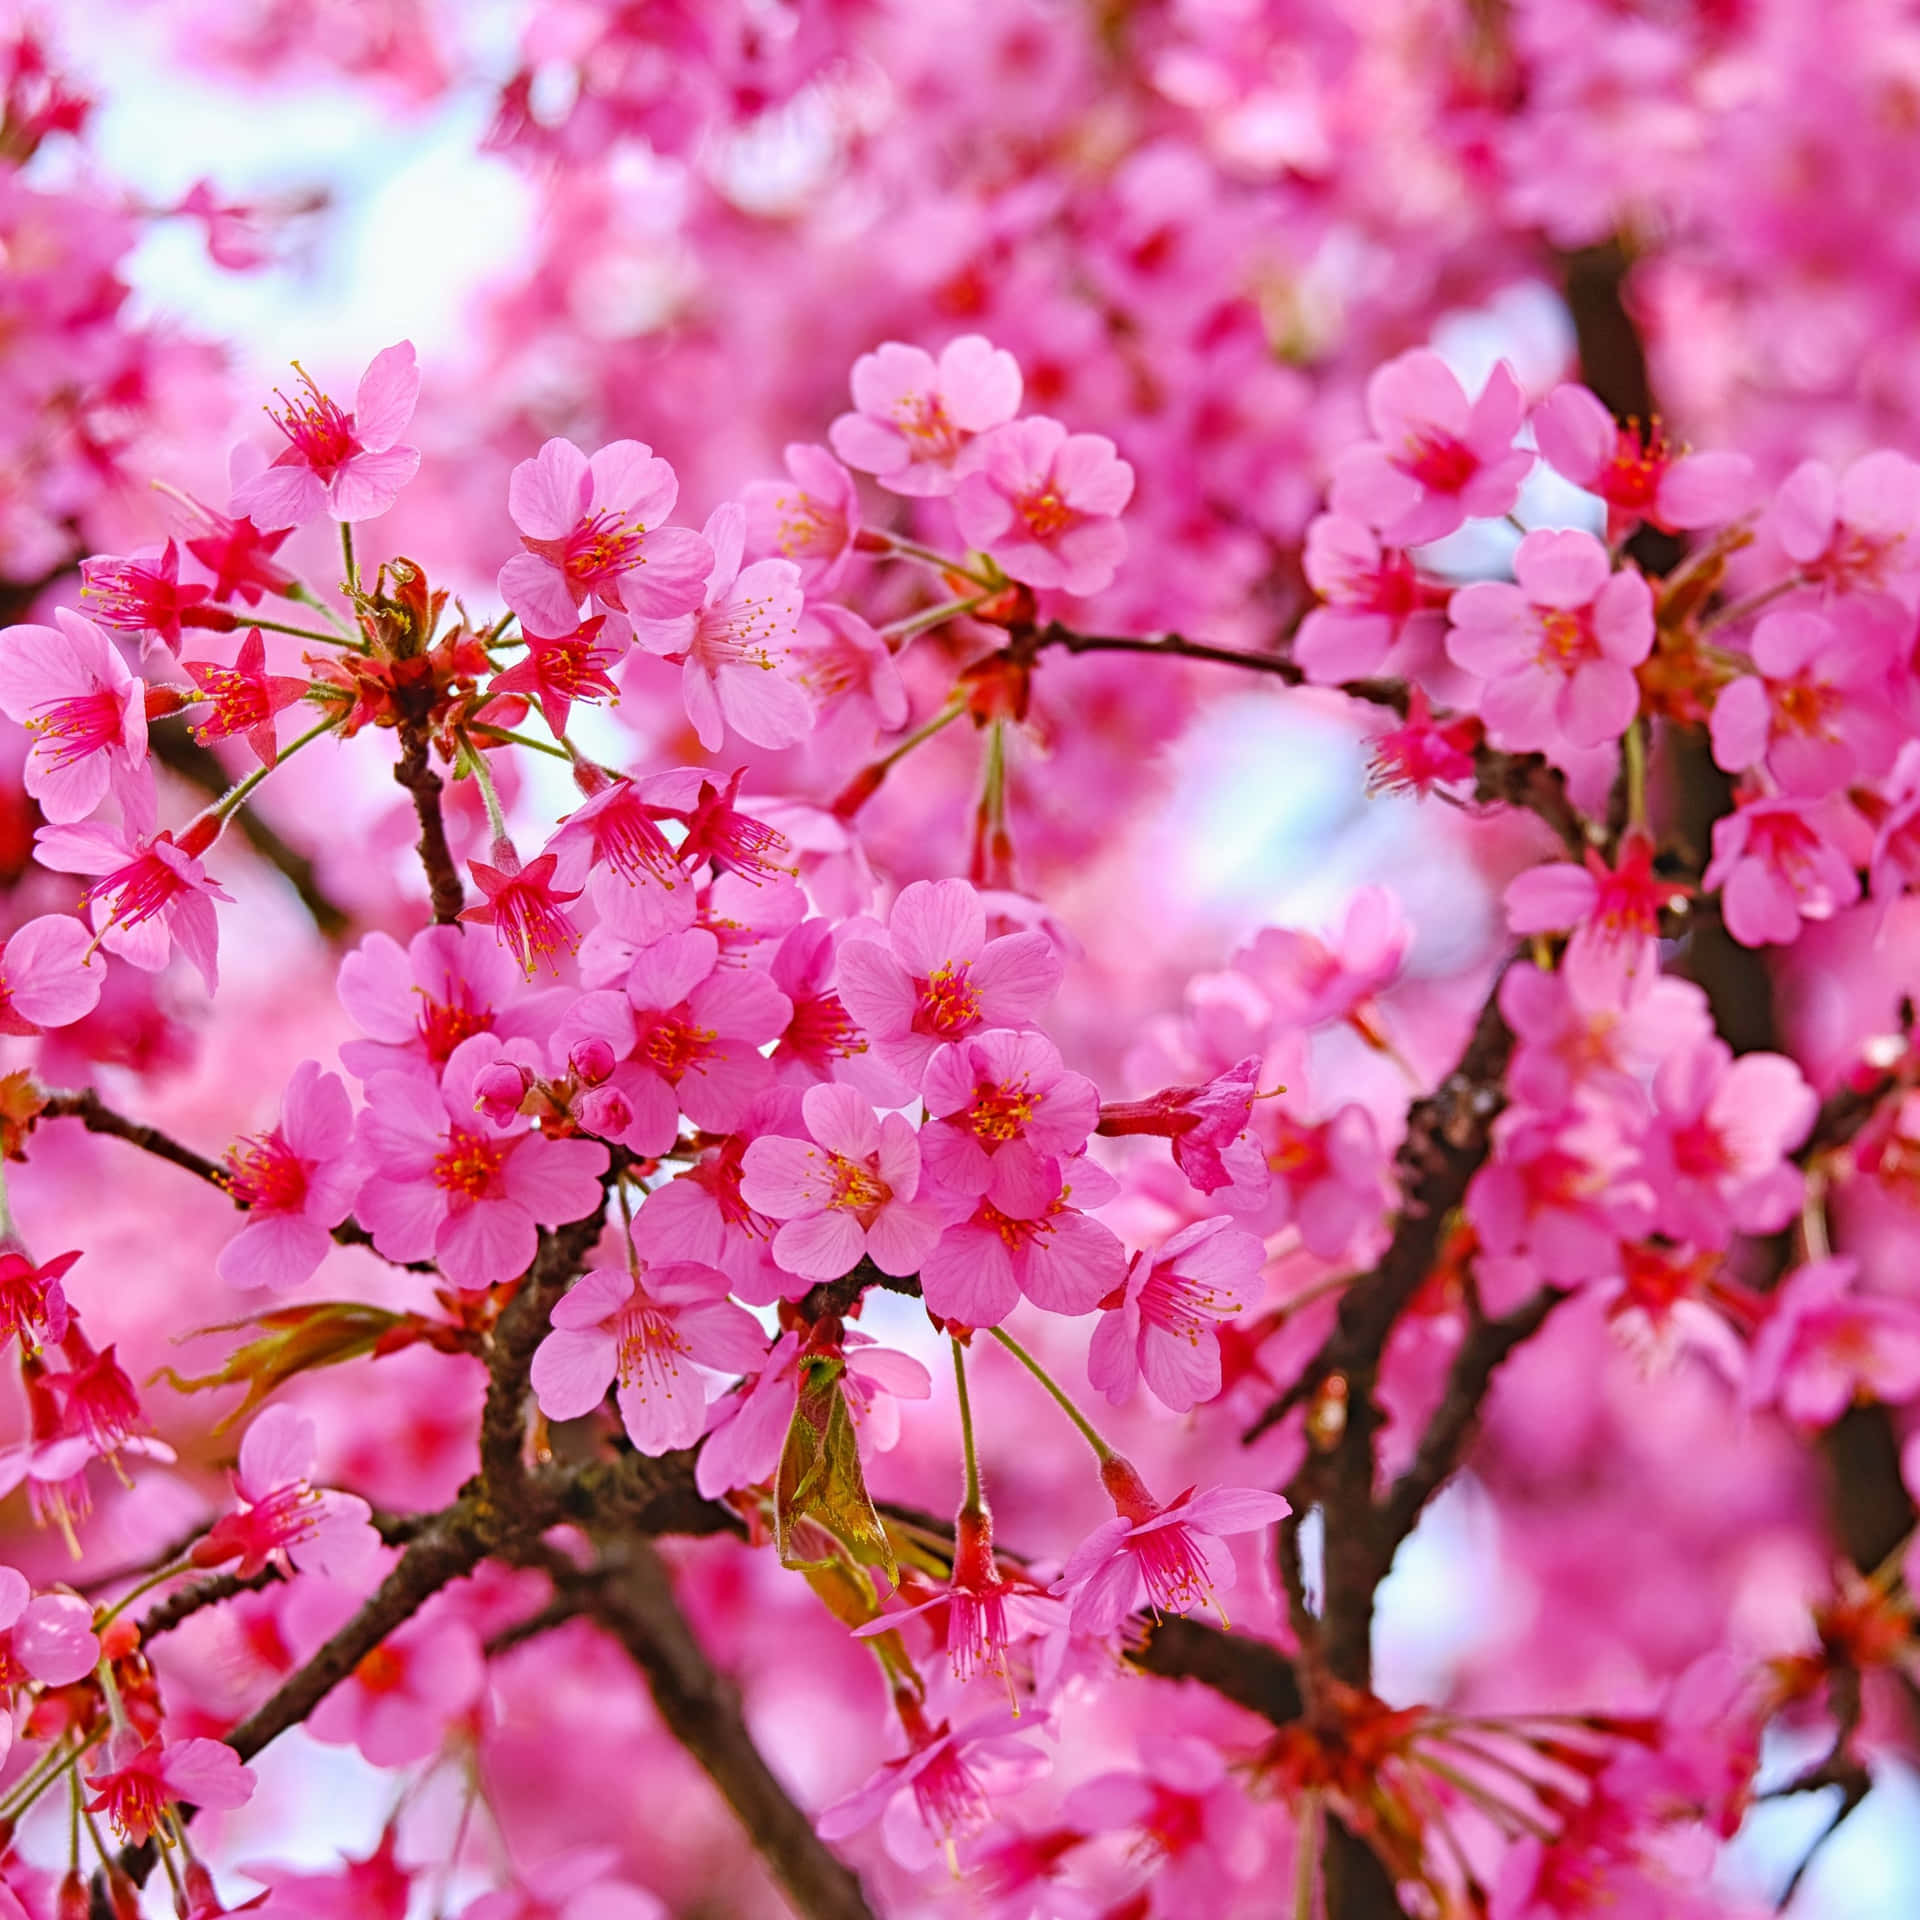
<point x="596" y="525"/>
<point x="615" y="1326"/>
<point x="348" y="465"/>
<point x="1210" y="1130"/>
<point x="1372" y="596"/>
<point x="996" y="1104"/>
<point x="142" y="594"/>
<point x="297" y="1182"/>
<point x="142" y="1778"/>
<point x="244" y="697"/>
<point x="374" y="1887"/>
<point x="1046" y="504"/>
<point x="1612" y="912"/>
<point x="1824" y="1345"/>
<point x="915" y="416"/>
<point x="238" y="554"/>
<point x="1854" y="533"/>
<point x="1435" y="461"/>
<point x="1777" y="863"/>
<point x="737" y="644"/>
<point x="33" y="1305"/>
<point x="280" y="1516"/>
<point x="1162" y="1328"/>
<point x="1170" y="1558"/>
<point x="571" y="666"/>
<point x="454" y="1186"/>
<point x="846" y="1192"/>
<point x="1422" y="752"/>
<point x="524" y="907"/>
<point x="936" y="977"/>
<point x="87" y="713"/>
<point x="1558" y="648"/>
<point x="1634" y="470"/>
<point x="811" y="518"/>
<point x="49" y="976"/>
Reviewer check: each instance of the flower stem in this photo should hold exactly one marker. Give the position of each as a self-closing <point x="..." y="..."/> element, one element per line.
<point x="477" y="761"/>
<point x="159" y="1578"/>
<point x="299" y="633"/>
<point x="929" y="618"/>
<point x="973" y="1501"/>
<point x="509" y="737"/>
<point x="235" y="796"/>
<point x="945" y="562"/>
<point x="1101" y="1451"/>
<point x="1635" y="747"/>
<point x="346" y="554"/>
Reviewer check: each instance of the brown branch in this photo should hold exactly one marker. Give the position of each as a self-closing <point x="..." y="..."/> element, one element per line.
<point x="96" y="1116"/>
<point x="415" y="772"/>
<point x="1250" y="1673"/>
<point x="840" y="1297"/>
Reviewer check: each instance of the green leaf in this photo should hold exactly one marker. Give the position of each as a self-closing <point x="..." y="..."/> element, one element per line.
<point x="820" y="1483"/>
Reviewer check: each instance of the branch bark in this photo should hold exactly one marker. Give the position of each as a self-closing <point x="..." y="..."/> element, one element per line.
<point x="415" y="772"/>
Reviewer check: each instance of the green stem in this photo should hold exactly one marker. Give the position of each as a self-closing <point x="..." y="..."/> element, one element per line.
<point x="477" y="760"/>
<point x="235" y="796"/>
<point x="913" y="550"/>
<point x="929" y="618"/>
<point x="973" y="1501"/>
<point x="1635" y="745"/>
<point x="147" y="1585"/>
<point x="921" y="735"/>
<point x="41" y="1775"/>
<point x="493" y="634"/>
<point x="346" y="554"/>
<point x="1102" y="1452"/>
<point x="508" y="735"/>
<point x="299" y="633"/>
<point x="304" y="595"/>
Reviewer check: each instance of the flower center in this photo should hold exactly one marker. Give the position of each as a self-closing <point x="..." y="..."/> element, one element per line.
<point x="1045" y="513"/>
<point x="922" y="421"/>
<point x="1804" y="706"/>
<point x="1439" y="462"/>
<point x="1000" y="1114"/>
<point x="1567" y="639"/>
<point x="857" y="1189"/>
<point x="382" y="1671"/>
<point x="648" y="1348"/>
<point x="672" y="1046"/>
<point x="264" y="1173"/>
<point x="469" y="1163"/>
<point x="84" y="723"/>
<point x="320" y="432"/>
<point x="239" y="701"/>
<point x="443" y="1025"/>
<point x="1172" y="1566"/>
<point x="144" y="887"/>
<point x="949" y="1002"/>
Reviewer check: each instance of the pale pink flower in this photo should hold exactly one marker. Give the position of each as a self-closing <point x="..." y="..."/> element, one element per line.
<point x="455" y="1186"/>
<point x="936" y="977"/>
<point x="638" y="1330"/>
<point x="1309" y="980"/>
<point x="141" y="1778"/>
<point x="87" y="713"/>
<point x="1559" y="1192"/>
<point x="915" y="416"/>
<point x="596" y="526"/>
<point x="847" y="1192"/>
<point x="348" y="465"/>
<point x="49" y="976"/>
<point x="812" y="518"/>
<point x="45" y="1637"/>
<point x="1372" y="596"/>
<point x="577" y="1885"/>
<point x="1162" y="1329"/>
<point x="1824" y="1345"/>
<point x="1777" y="863"/>
<point x="1853" y="533"/>
<point x="297" y="1182"/>
<point x="996" y="1104"/>
<point x="1595" y="1026"/>
<point x="1637" y="472"/>
<point x="1045" y="504"/>
<point x="846" y="667"/>
<point x="1436" y="461"/>
<point x="281" y="1517"/>
<point x="1557" y="648"/>
<point x="1329" y="1176"/>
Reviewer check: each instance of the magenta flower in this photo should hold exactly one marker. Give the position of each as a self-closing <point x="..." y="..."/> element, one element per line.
<point x="1636" y="472"/>
<point x="457" y="1187"/>
<point x="571" y="1886"/>
<point x="87" y="713"/>
<point x="1435" y="461"/>
<point x="936" y="977"/>
<point x="525" y="908"/>
<point x="142" y="594"/>
<point x="48" y="975"/>
<point x="846" y="667"/>
<point x="1046" y="504"/>
<point x="596" y="526"/>
<point x="1595" y="1026"/>
<point x="151" y="892"/>
<point x="1854" y="533"/>
<point x="737" y="645"/>
<point x="244" y="697"/>
<point x="143" y="1778"/>
<point x="812" y="518"/>
<point x="568" y="667"/>
<point x="637" y="1330"/>
<point x="847" y="1192"/>
<point x="1373" y="595"/>
<point x="1329" y="1175"/>
<point x="1824" y="1345"/>
<point x="348" y="465"/>
<point x="1209" y="1129"/>
<point x="1310" y="980"/>
<point x="1162" y="1328"/>
<point x="238" y="554"/>
<point x="280" y="1516"/>
<point x="1422" y="752"/>
<point x="914" y="416"/>
<point x="1776" y="863"/>
<point x="297" y="1182"/>
<point x="1557" y="650"/>
<point x="1170" y="1558"/>
<point x="1612" y="912"/>
<point x="997" y="1104"/>
<point x="33" y="1305"/>
<point x="1558" y="1192"/>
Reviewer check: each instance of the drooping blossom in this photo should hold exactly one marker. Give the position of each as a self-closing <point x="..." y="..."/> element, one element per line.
<point x="811" y="518"/>
<point x="142" y="1778"/>
<point x="237" y="553"/>
<point x="1436" y="460"/>
<point x="996" y="1104"/>
<point x="143" y="594"/>
<point x="1781" y="862"/>
<point x="86" y="712"/>
<point x="596" y="525"/>
<point x="914" y="416"/>
<point x="1635" y="469"/>
<point x="33" y="1305"/>
<point x="1162" y="1328"/>
<point x="638" y="1330"/>
<point x="558" y="670"/>
<point x="736" y="645"/>
<point x="1045" y="504"/>
<point x="1825" y="1343"/>
<point x="1557" y="646"/>
<point x="1309" y="979"/>
<point x="297" y="1181"/>
<point x="244" y="697"/>
<point x="49" y="975"/>
<point x="348" y="465"/>
<point x="1423" y="752"/>
<point x="1371" y="595"/>
<point x="280" y="1516"/>
<point x="1853" y="533"/>
<point x="1209" y="1128"/>
<point x="848" y="1191"/>
<point x="524" y="906"/>
<point x="613" y="849"/>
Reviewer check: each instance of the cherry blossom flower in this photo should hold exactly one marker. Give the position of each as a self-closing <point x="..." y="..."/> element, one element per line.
<point x="1309" y="980"/>
<point x="613" y="848"/>
<point x="1161" y="1329"/>
<point x="558" y="670"/>
<point x="1612" y="912"/>
<point x="1209" y="1129"/>
<point x="46" y="1637"/>
<point x="348" y="465"/>
<point x="525" y="908"/>
<point x="997" y="1104"/>
<point x="1435" y="461"/>
<point x="812" y="518"/>
<point x="297" y="1181"/>
<point x="1778" y="863"/>
<point x="1825" y="1344"/>
<point x="737" y="645"/>
<point x="1853" y="533"/>
<point x="1372" y="596"/>
<point x="454" y="1186"/>
<point x="1046" y="504"/>
<point x="846" y="667"/>
<point x="1423" y="752"/>
<point x="1558" y="1192"/>
<point x="577" y="1885"/>
<point x="596" y="526"/>
<point x="49" y="976"/>
<point x="637" y="1329"/>
<point x="33" y="1306"/>
<point x="244" y="697"/>
<point x="847" y="1192"/>
<point x="143" y="1777"/>
<point x="1635" y="470"/>
<point x="237" y="553"/>
<point x="87" y="713"/>
<point x="142" y="594"/>
<point x="1595" y="1027"/>
<point x="1169" y="1557"/>
<point x="281" y="1517"/>
<point x="936" y="977"/>
<point x="915" y="416"/>
<point x="1558" y="647"/>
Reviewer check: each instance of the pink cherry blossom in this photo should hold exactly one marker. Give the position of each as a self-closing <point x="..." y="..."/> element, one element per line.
<point x="46" y="1637"/>
<point x="280" y="1515"/>
<point x="1435" y="461"/>
<point x="1045" y="504"/>
<point x="1162" y="1327"/>
<point x="1558" y="648"/>
<point x="578" y="1885"/>
<point x="597" y="526"/>
<point x="348" y="465"/>
<point x="524" y="906"/>
<point x="140" y="1779"/>
<point x="244" y="698"/>
<point x="1423" y="752"/>
<point x="142" y="594"/>
<point x="914" y="416"/>
<point x="1634" y="470"/>
<point x="1309" y="980"/>
<point x="1209" y="1129"/>
<point x="613" y="849"/>
<point x="1596" y="1027"/>
<point x="996" y="1103"/>
<point x="637" y="1330"/>
<point x="1328" y="1175"/>
<point x="1613" y="912"/>
<point x="557" y="671"/>
<point x="1372" y="596"/>
<point x="1824" y="1344"/>
<point x="49" y="975"/>
<point x="87" y="713"/>
<point x="237" y="553"/>
<point x="297" y="1181"/>
<point x="846" y="667"/>
<point x="811" y="518"/>
<point x="33" y="1305"/>
<point x="1853" y="533"/>
<point x="1777" y="863"/>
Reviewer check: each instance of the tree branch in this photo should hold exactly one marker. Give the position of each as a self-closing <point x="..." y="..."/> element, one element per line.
<point x="415" y="772"/>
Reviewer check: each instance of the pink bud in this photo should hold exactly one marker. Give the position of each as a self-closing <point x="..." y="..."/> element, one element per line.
<point x="500" y="1089"/>
<point x="591" y="1061"/>
<point x="605" y="1111"/>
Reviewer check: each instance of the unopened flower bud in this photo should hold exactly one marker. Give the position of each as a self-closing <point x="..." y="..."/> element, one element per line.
<point x="591" y="1061"/>
<point x="499" y="1090"/>
<point x="605" y="1111"/>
